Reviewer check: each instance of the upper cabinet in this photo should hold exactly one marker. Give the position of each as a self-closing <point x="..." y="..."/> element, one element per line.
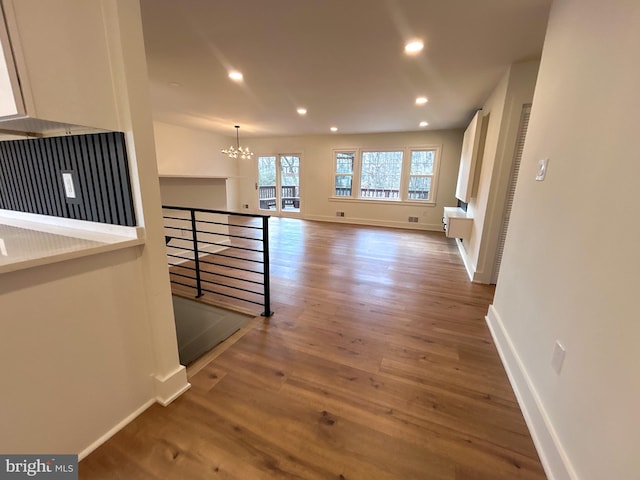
<point x="472" y="146"/>
<point x="55" y="70"/>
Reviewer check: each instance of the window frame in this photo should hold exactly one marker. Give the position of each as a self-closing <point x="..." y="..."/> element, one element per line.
<point x="355" y="183"/>
<point x="403" y="196"/>
<point x="402" y="179"/>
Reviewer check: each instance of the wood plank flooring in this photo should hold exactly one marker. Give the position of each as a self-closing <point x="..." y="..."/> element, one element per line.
<point x="376" y="365"/>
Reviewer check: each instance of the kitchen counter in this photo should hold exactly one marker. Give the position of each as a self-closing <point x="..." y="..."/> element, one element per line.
<point x="29" y="240"/>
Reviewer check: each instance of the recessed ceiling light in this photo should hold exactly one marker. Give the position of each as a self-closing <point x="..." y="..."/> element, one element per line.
<point x="302" y="111"/>
<point x="236" y="76"/>
<point x="334" y="129"/>
<point x="421" y="100"/>
<point x="424" y="124"/>
<point x="413" y="47"/>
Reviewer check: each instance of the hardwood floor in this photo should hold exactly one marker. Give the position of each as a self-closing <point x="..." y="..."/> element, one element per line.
<point x="376" y="365"/>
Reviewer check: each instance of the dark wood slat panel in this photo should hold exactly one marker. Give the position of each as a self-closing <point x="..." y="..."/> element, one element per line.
<point x="128" y="215"/>
<point x="31" y="177"/>
<point x="109" y="178"/>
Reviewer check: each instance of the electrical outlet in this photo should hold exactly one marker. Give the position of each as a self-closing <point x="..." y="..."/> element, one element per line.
<point x="245" y="205"/>
<point x="339" y="214"/>
<point x="557" y="358"/>
<point x="413" y="219"/>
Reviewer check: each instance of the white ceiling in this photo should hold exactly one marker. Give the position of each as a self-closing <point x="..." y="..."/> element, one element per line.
<point x="341" y="59"/>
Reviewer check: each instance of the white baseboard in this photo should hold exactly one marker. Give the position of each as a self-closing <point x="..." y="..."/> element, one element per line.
<point x="376" y="223"/>
<point x="465" y="259"/>
<point x="168" y="388"/>
<point x="475" y="276"/>
<point x="115" y="429"/>
<point x="171" y="386"/>
<point x="554" y="459"/>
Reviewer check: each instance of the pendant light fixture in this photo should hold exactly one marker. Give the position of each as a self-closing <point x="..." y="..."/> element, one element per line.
<point x="237" y="151"/>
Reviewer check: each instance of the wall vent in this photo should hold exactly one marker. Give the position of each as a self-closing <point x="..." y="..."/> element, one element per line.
<point x="413" y="219"/>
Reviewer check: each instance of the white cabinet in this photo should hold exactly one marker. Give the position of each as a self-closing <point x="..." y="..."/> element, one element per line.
<point x="472" y="147"/>
<point x="456" y="223"/>
<point x="56" y="69"/>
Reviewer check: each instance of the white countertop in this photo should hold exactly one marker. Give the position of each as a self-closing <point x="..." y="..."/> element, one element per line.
<point x="29" y="240"/>
<point x="456" y="212"/>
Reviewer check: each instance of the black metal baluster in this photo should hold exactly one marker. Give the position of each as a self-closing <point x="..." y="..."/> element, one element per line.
<point x="195" y="252"/>
<point x="265" y="249"/>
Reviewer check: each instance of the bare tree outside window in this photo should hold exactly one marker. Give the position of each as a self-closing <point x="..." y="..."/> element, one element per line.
<point x="267" y="171"/>
<point x="381" y="174"/>
<point x="290" y="170"/>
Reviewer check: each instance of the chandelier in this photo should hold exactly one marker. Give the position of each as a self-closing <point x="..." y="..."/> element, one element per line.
<point x="237" y="151"/>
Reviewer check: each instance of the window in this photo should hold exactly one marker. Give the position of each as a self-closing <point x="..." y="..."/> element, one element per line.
<point x="344" y="173"/>
<point x="421" y="174"/>
<point x="381" y="174"/>
<point x="407" y="175"/>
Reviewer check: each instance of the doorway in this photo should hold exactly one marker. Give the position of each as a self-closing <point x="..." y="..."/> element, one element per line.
<point x="278" y="185"/>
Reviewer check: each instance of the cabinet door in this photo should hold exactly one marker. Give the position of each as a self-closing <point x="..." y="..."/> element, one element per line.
<point x="471" y="149"/>
<point x="63" y="56"/>
<point x="11" y="104"/>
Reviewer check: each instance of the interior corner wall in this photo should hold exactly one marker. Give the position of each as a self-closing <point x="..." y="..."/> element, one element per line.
<point x="317" y="173"/>
<point x="188" y="152"/>
<point x="502" y="111"/>
<point x="77" y="352"/>
<point x="565" y="275"/>
<point x="207" y="193"/>
<point x="184" y="152"/>
<point x="87" y="344"/>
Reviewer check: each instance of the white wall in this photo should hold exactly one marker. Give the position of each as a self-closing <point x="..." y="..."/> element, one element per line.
<point x="87" y="344"/>
<point x="187" y="152"/>
<point x="209" y="193"/>
<point x="76" y="350"/>
<point x="502" y="111"/>
<point x="317" y="176"/>
<point x="570" y="267"/>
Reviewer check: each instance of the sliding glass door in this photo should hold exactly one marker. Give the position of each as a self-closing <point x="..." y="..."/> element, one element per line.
<point x="279" y="183"/>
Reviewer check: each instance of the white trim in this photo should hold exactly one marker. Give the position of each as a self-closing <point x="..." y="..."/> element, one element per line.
<point x="191" y="176"/>
<point x="553" y="456"/>
<point x="115" y="429"/>
<point x="435" y="176"/>
<point x="381" y="201"/>
<point x="476" y="276"/>
<point x="465" y="259"/>
<point x="377" y="223"/>
<point x="171" y="386"/>
<point x="101" y="232"/>
<point x="335" y="173"/>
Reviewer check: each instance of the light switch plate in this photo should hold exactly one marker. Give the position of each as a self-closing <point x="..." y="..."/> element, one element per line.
<point x="542" y="169"/>
<point x="69" y="188"/>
